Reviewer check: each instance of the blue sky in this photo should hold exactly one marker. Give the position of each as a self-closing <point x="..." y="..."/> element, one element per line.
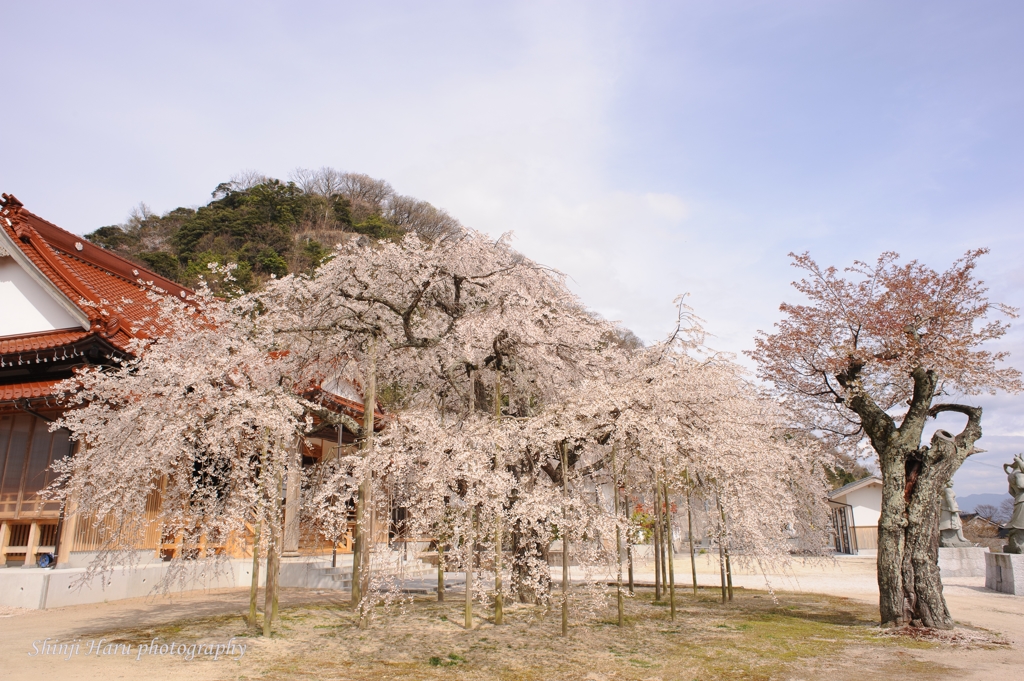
<point x="646" y="149"/>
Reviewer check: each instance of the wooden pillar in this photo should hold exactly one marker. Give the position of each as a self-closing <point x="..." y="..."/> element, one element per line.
<point x="66" y="540"/>
<point x="30" y="548"/>
<point x="5" y="537"/>
<point x="293" y="490"/>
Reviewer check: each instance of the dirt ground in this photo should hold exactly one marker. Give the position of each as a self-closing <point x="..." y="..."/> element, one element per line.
<point x="823" y="626"/>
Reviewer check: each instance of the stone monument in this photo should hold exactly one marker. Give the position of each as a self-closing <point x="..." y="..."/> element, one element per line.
<point x="951" y="530"/>
<point x="1015" y="476"/>
<point x="1004" y="571"/>
<point x="957" y="556"/>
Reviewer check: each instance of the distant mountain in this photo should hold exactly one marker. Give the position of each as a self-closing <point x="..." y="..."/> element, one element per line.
<point x="969" y="502"/>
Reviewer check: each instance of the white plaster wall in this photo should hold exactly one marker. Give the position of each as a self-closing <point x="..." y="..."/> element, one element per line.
<point x="867" y="505"/>
<point x="24" y="306"/>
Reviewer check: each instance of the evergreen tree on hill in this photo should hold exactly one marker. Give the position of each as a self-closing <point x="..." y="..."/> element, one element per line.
<point x="270" y="227"/>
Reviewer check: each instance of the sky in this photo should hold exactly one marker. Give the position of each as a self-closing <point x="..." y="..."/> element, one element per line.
<point x="646" y="149"/>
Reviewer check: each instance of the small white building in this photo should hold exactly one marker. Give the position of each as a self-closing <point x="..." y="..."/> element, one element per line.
<point x="856" y="508"/>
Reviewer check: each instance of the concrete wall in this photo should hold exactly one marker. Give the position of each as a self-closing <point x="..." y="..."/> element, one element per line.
<point x="38" y="588"/>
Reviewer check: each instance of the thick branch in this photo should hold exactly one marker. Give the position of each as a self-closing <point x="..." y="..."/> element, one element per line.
<point x="972" y="431"/>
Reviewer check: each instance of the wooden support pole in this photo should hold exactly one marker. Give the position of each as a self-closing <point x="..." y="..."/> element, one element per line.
<point x="30" y="547"/>
<point x="5" y="538"/>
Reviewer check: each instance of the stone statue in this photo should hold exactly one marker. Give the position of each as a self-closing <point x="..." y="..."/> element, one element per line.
<point x="1015" y="476"/>
<point x="951" y="530"/>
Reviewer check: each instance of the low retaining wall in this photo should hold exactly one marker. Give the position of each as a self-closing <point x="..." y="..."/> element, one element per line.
<point x="41" y="588"/>
<point x="962" y="562"/>
<point x="1004" y="572"/>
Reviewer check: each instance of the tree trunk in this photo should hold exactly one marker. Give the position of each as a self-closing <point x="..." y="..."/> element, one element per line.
<point x="629" y="549"/>
<point x="910" y="589"/>
<point x="499" y="598"/>
<point x="909" y="583"/>
<point x="254" y="585"/>
<point x="671" y="552"/>
<point x="565" y="542"/>
<point x="618" y="540"/>
<point x="471" y="554"/>
<point x="440" y="572"/>
<point x="363" y="540"/>
<point x="656" y="547"/>
<point x="693" y="554"/>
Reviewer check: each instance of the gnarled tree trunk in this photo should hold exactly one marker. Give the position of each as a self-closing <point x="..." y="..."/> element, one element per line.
<point x="913" y="477"/>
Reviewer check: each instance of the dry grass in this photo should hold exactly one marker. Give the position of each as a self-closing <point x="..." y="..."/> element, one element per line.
<point x="801" y="636"/>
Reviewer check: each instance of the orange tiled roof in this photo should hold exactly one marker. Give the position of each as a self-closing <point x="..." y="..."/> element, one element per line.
<point x="31" y="389"/>
<point x="108" y="289"/>
<point x="44" y="340"/>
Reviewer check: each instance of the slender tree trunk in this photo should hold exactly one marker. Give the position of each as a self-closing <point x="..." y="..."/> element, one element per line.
<point x="440" y="572"/>
<point x="725" y="542"/>
<point x="629" y="550"/>
<point x="268" y="590"/>
<point x="254" y="586"/>
<point x="499" y="599"/>
<point x="671" y="551"/>
<point x="618" y="540"/>
<point x="693" y="553"/>
<point x="565" y="542"/>
<point x="363" y="539"/>
<point x="471" y="553"/>
<point x="721" y="567"/>
<point x="656" y="546"/>
<point x="273" y="561"/>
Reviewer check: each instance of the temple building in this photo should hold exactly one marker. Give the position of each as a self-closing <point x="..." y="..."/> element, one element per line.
<point x="67" y="303"/>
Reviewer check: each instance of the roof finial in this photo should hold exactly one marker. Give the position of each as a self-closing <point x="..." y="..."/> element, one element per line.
<point x="11" y="202"/>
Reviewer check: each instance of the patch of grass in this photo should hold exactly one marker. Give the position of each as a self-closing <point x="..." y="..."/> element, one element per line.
<point x="751" y="637"/>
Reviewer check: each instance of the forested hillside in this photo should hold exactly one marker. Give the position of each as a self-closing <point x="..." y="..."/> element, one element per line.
<point x="269" y="226"/>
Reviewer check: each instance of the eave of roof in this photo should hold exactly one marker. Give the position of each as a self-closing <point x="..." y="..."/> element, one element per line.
<point x="105" y="291"/>
<point x="43" y="340"/>
<point x="27" y="390"/>
<point x="850" y="487"/>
